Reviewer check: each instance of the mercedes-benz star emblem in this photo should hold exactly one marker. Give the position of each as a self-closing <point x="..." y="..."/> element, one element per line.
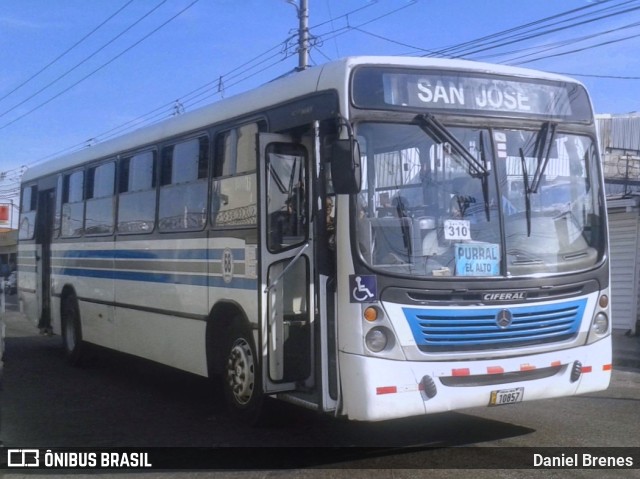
<point x="504" y="318"/>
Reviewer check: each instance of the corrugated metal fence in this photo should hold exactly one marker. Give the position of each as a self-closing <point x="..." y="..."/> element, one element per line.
<point x="620" y="150"/>
<point x="619" y="132"/>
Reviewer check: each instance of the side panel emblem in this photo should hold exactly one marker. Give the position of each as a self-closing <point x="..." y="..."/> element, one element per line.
<point x="227" y="265"/>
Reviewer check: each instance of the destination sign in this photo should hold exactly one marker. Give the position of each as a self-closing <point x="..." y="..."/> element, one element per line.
<point x="487" y="94"/>
<point x="477" y="259"/>
<point x="375" y="87"/>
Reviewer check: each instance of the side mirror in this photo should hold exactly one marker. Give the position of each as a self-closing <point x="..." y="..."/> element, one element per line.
<point x="346" y="171"/>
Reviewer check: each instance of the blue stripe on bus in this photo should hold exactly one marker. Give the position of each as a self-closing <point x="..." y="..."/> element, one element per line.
<point x="177" y="254"/>
<point x="167" y="278"/>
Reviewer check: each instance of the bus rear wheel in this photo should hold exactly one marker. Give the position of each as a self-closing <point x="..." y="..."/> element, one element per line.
<point x="71" y="330"/>
<point x="241" y="377"/>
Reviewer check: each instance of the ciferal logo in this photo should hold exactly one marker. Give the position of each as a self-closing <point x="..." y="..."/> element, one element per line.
<point x="23" y="458"/>
<point x="503" y="296"/>
<point x="504" y="318"/>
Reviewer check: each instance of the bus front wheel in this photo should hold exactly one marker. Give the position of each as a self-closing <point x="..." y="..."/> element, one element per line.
<point x="241" y="377"/>
<point x="71" y="330"/>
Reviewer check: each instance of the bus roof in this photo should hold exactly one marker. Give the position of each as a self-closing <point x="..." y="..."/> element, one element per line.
<point x="332" y="75"/>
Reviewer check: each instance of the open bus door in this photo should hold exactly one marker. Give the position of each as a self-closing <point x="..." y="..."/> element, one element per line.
<point x="286" y="265"/>
<point x="43" y="237"/>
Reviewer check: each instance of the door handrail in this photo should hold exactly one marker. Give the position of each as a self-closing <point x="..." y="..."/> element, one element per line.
<point x="282" y="273"/>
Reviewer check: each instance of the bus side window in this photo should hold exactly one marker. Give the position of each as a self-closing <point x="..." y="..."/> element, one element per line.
<point x="137" y="189"/>
<point x="183" y="185"/>
<point x="28" y="212"/>
<point x="99" y="209"/>
<point x="72" y="204"/>
<point x="234" y="199"/>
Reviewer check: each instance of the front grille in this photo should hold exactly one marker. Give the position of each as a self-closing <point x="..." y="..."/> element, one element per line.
<point x="473" y="329"/>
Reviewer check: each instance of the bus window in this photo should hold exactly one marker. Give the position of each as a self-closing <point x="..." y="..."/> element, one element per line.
<point x="137" y="188"/>
<point x="234" y="199"/>
<point x="99" y="208"/>
<point x="183" y="185"/>
<point x="287" y="176"/>
<point x="28" y="219"/>
<point x="72" y="204"/>
<point x="246" y="148"/>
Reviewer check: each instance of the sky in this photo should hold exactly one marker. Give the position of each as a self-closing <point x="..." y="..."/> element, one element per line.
<point x="76" y="72"/>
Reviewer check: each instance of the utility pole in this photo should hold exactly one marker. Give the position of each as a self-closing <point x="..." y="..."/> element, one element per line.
<point x="303" y="52"/>
<point x="303" y="33"/>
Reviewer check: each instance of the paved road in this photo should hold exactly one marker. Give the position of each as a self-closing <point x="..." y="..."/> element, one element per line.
<point x="116" y="400"/>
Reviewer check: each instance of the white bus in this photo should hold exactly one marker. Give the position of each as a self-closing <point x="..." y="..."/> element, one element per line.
<point x="374" y="238"/>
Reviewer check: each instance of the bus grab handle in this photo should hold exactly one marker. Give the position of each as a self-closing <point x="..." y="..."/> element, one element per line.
<point x="279" y="277"/>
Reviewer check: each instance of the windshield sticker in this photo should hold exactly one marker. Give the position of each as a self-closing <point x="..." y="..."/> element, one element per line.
<point x="477" y="259"/>
<point x="501" y="144"/>
<point x="457" y="230"/>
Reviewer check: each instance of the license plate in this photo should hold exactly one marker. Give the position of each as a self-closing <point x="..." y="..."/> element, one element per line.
<point x="506" y="396"/>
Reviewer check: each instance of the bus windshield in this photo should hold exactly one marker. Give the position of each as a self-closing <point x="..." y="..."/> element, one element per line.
<point x="446" y="200"/>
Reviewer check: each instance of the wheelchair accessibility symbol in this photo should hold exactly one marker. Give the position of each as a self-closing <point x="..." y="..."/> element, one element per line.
<point x="364" y="288"/>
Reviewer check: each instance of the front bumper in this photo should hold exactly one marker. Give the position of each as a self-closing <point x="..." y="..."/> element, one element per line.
<point x="375" y="389"/>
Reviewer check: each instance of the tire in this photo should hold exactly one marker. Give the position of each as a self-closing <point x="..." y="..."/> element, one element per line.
<point x="241" y="377"/>
<point x="71" y="331"/>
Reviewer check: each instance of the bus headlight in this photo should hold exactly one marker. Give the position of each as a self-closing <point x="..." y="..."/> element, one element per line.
<point x="376" y="339"/>
<point x="600" y="324"/>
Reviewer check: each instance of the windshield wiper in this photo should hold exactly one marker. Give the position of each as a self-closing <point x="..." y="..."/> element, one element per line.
<point x="542" y="151"/>
<point x="485" y="177"/>
<point x="527" y="191"/>
<point x="438" y="131"/>
<point x="401" y="210"/>
<point x="477" y="169"/>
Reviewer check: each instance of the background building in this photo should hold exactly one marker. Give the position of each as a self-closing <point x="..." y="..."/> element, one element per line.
<point x="620" y="150"/>
<point x="8" y="251"/>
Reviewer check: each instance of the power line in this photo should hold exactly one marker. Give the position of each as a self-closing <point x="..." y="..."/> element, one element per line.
<point x="547" y="47"/>
<point x="66" y="51"/>
<point x="99" y="68"/>
<point x="331" y="20"/>
<point x="283" y="50"/>
<point x="519" y="33"/>
<point x="610" y="77"/>
<point x="198" y="95"/>
<point x="348" y="28"/>
<point x="202" y="93"/>
<point x="84" y="60"/>
<point x="590" y="47"/>
<point x="538" y="34"/>
<point x="240" y="74"/>
<point x="592" y="75"/>
<point x="188" y="100"/>
<point x="479" y="41"/>
<point x="551" y="46"/>
<point x="392" y="41"/>
<point x="347" y="15"/>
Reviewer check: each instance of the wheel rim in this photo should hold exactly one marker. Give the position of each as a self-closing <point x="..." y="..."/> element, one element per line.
<point x="241" y="372"/>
